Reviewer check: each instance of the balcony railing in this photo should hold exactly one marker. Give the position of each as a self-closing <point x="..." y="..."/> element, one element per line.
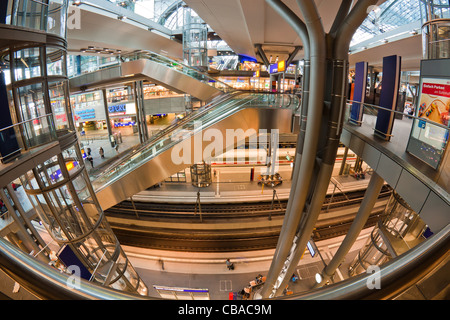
<point x="31" y="133"/>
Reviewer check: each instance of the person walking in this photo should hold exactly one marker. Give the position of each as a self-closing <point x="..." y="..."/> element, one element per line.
<point x="102" y="153"/>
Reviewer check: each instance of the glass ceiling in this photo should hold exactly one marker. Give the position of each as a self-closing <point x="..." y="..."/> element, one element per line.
<point x="396" y="13"/>
<point x="164" y="12"/>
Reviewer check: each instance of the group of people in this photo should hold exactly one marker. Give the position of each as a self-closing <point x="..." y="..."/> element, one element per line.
<point x="89" y="156"/>
<point x="259" y="280"/>
<point x="117" y="139"/>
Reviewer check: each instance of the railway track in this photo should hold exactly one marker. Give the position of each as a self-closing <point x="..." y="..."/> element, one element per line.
<point x="216" y="236"/>
<point x="217" y="212"/>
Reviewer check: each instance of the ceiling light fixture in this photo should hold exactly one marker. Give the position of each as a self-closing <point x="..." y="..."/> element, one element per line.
<point x="100" y="50"/>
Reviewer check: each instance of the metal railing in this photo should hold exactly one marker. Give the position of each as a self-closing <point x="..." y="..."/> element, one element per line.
<point x="178" y="66"/>
<point x="32" y="133"/>
<point x="373" y="110"/>
<point x="396" y="276"/>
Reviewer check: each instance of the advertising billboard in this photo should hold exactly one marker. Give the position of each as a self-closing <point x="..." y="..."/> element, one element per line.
<point x="428" y="141"/>
<point x="434" y="103"/>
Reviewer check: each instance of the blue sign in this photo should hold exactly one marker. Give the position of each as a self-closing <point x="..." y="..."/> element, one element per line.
<point x="58" y="174"/>
<point x="422" y="124"/>
<point x="124" y="124"/>
<point x="85" y="114"/>
<point x="273" y="68"/>
<point x="117" y="108"/>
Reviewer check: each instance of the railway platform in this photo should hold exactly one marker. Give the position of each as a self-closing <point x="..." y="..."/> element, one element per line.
<point x="171" y="269"/>
<point x="239" y="190"/>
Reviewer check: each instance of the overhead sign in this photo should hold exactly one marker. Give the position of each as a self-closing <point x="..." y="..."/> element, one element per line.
<point x="85" y="114"/>
<point x="281" y="66"/>
<point x="117" y="108"/>
<point x="311" y="249"/>
<point x="273" y="68"/>
<point x="277" y="67"/>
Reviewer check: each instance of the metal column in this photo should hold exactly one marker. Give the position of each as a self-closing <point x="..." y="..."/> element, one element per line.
<point x="108" y="119"/>
<point x="370" y="198"/>
<point x="138" y="91"/>
<point x="315" y="167"/>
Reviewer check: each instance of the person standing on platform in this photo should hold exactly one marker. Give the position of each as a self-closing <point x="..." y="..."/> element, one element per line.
<point x="230" y="265"/>
<point x="91" y="160"/>
<point x="102" y="153"/>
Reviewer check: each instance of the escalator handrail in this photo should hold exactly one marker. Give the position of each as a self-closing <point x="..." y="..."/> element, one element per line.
<point x="137" y="151"/>
<point x="45" y="282"/>
<point x="171" y="128"/>
<point x="168" y="130"/>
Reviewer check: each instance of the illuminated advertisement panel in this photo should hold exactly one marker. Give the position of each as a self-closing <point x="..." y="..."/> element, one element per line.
<point x="428" y="141"/>
<point x="434" y="101"/>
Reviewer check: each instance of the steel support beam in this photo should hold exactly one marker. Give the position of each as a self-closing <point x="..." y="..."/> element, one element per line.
<point x="370" y="198"/>
<point x="317" y="51"/>
<point x="315" y="170"/>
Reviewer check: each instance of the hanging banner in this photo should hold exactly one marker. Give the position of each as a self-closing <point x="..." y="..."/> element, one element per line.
<point x="388" y="97"/>
<point x="359" y="93"/>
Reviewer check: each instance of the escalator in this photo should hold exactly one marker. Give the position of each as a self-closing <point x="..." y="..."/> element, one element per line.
<point x="145" y="65"/>
<point x="227" y="119"/>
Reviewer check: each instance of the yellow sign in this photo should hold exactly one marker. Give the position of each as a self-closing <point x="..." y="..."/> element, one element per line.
<point x="281" y="66"/>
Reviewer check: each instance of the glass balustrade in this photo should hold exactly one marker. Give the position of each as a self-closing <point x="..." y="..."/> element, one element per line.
<point x="177" y="66"/>
<point x="29" y="134"/>
<point x="49" y="16"/>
